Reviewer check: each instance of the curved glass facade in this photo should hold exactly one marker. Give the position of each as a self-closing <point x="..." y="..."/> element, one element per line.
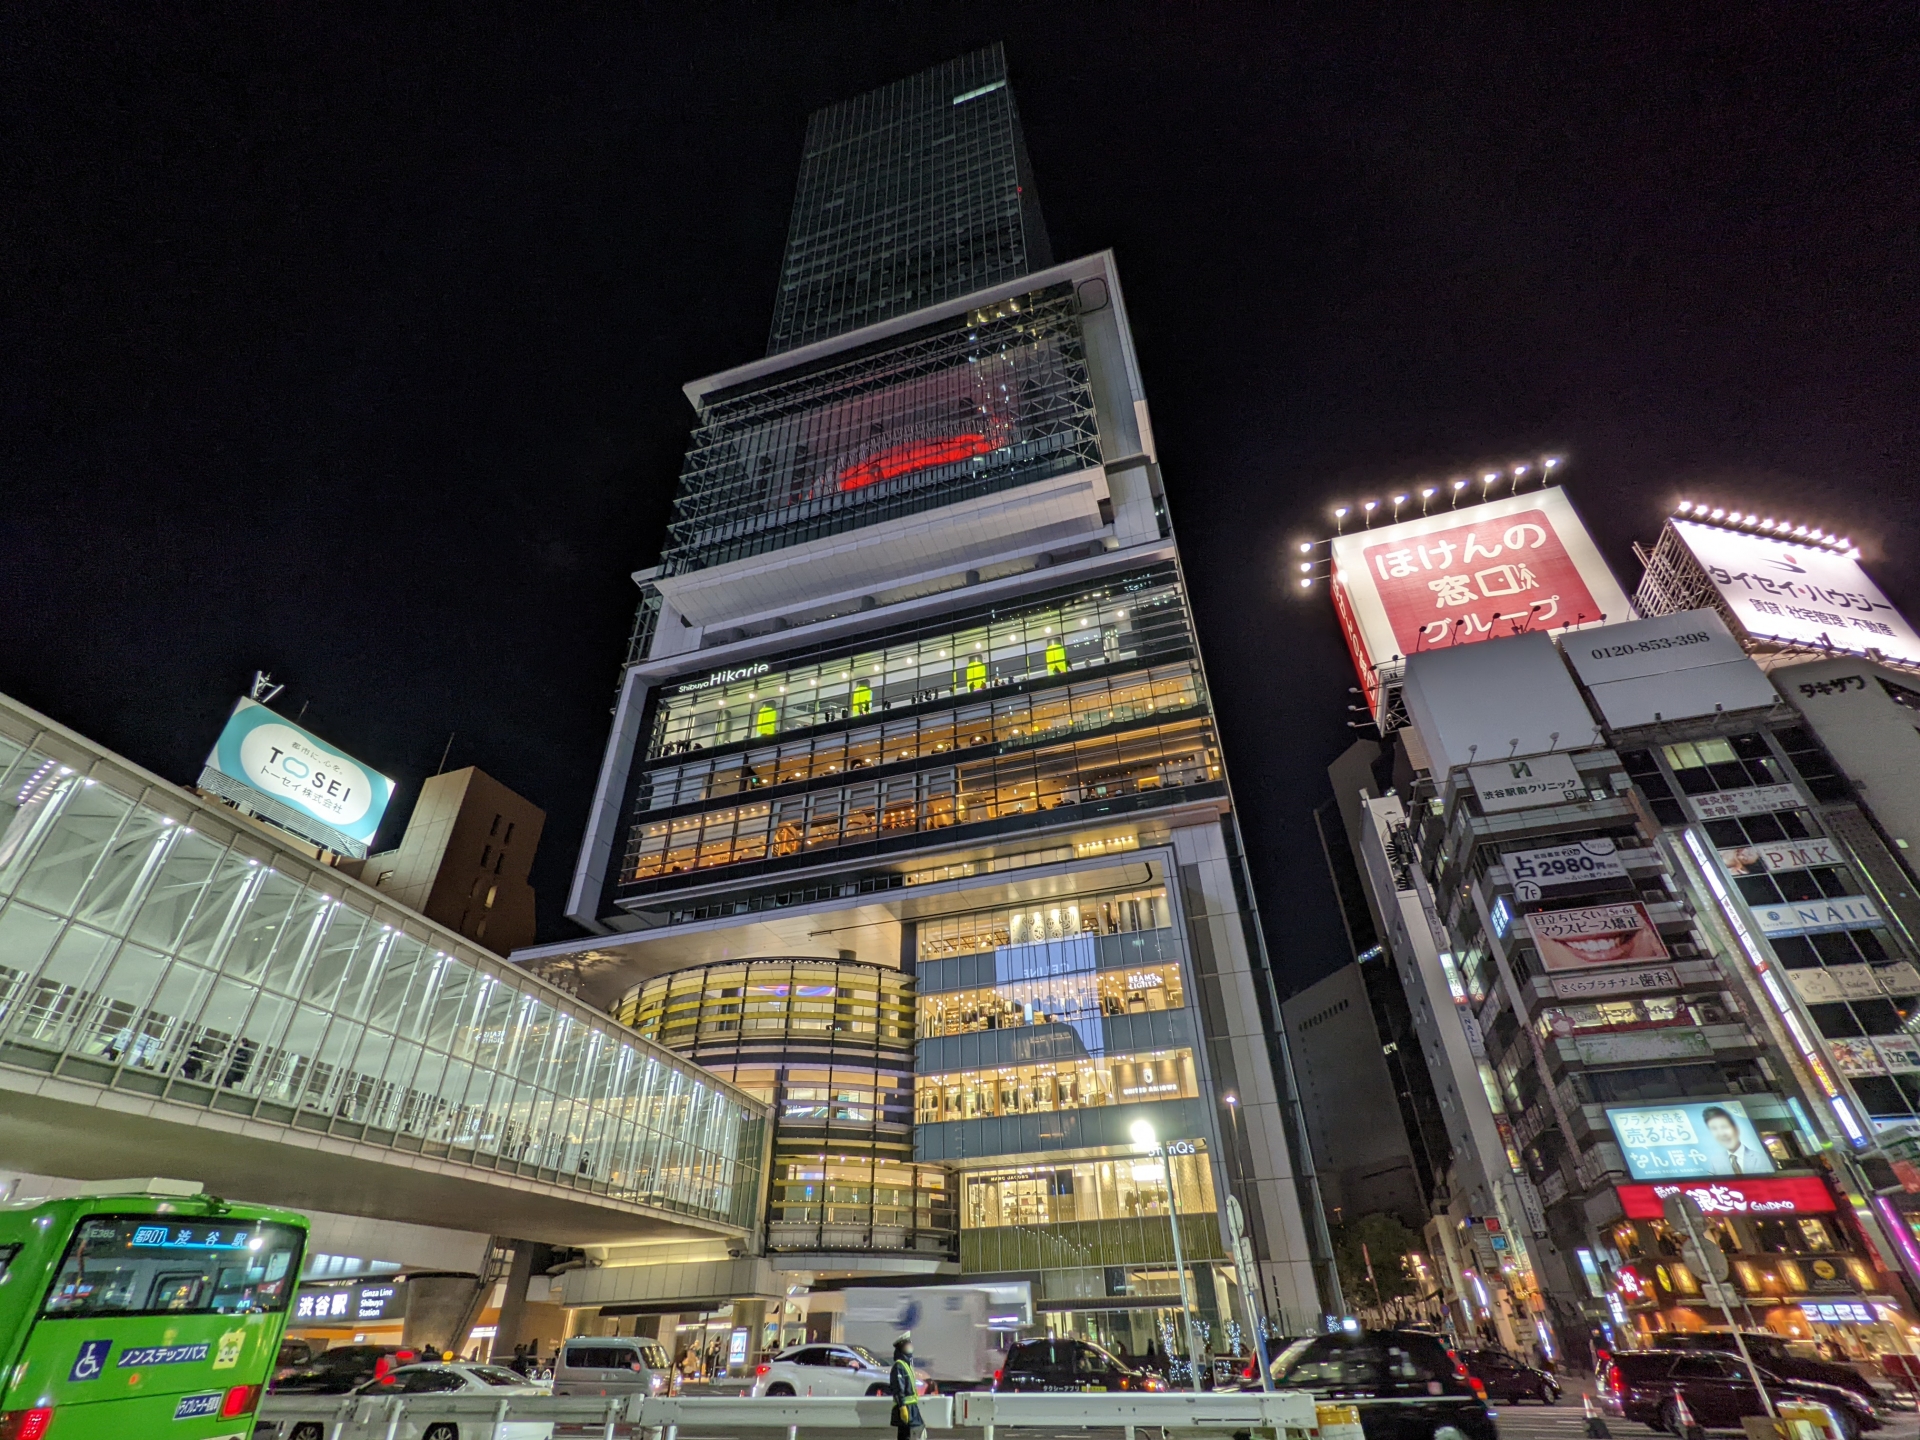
<point x="829" y="1045"/>
<point x="153" y="944"/>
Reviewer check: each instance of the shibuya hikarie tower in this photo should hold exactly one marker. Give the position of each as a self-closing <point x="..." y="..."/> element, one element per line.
<point x="914" y="818"/>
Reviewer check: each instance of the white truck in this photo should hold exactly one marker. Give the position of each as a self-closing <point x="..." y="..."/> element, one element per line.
<point x="952" y="1343"/>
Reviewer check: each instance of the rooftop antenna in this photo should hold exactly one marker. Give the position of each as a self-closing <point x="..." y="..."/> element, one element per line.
<point x="263" y="687"/>
<point x="444" y="751"/>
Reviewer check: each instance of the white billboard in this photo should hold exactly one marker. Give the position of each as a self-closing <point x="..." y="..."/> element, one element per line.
<point x="1803" y="595"/>
<point x="1667" y="668"/>
<point x="1480" y="572"/>
<point x="297" y="780"/>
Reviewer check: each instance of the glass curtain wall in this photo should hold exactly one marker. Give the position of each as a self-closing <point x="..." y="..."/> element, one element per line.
<point x="139" y="952"/>
<point x="966" y="407"/>
<point x="829" y="1045"/>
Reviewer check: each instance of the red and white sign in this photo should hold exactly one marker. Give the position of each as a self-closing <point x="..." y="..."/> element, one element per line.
<point x="1788" y="1195"/>
<point x="1479" y="572"/>
<point x="1595" y="935"/>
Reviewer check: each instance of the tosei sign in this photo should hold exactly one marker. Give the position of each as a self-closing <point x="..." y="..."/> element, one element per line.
<point x="297" y="780"/>
<point x="1474" y="573"/>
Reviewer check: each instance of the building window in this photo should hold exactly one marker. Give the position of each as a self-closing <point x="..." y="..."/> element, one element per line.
<point x="507" y="839"/>
<point x="492" y="890"/>
<point x="1043" y="1196"/>
<point x="486" y="856"/>
<point x="1064" y="1085"/>
<point x="1060" y="1000"/>
<point x="1736" y="762"/>
<point x="1135" y="622"/>
<point x="1120" y="914"/>
<point x="495" y="828"/>
<point x="1139" y="762"/>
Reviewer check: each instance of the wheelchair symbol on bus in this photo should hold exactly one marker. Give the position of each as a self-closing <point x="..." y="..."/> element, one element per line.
<point x="91" y="1360"/>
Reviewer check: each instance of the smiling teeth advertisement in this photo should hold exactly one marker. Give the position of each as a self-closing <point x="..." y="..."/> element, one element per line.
<point x="1595" y="935"/>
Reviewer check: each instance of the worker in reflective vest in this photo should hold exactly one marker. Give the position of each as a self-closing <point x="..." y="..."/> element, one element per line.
<point x="904" y="1386"/>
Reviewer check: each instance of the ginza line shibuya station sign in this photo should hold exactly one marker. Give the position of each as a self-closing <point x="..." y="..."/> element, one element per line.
<point x="1478" y="572"/>
<point x="297" y="780"/>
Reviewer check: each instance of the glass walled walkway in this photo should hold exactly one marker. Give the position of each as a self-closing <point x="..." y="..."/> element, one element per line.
<point x="158" y="945"/>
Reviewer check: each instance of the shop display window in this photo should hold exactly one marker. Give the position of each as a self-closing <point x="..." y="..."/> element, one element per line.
<point x="1062" y="1085"/>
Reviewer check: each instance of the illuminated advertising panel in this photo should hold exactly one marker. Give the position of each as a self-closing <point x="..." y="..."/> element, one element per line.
<point x="294" y="778"/>
<point x="1801" y="595"/>
<point x="1785" y="1195"/>
<point x="1595" y="935"/>
<point x="1684" y="1140"/>
<point x="1502" y="567"/>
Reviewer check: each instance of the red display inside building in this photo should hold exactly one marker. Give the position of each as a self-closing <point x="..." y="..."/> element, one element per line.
<point x="914" y="455"/>
<point x="1790" y="1195"/>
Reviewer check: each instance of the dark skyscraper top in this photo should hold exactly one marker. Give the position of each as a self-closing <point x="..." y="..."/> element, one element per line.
<point x="909" y="195"/>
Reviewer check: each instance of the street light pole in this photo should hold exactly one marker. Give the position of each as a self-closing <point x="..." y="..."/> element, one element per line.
<point x="1144" y="1137"/>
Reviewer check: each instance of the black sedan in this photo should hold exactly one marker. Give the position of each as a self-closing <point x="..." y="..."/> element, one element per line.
<point x="1643" y="1385"/>
<point x="1508" y="1379"/>
<point x="1406" y="1385"/>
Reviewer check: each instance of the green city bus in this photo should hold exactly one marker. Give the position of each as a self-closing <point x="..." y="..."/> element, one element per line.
<point x="127" y="1315"/>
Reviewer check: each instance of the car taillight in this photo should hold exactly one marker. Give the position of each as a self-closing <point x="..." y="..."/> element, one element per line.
<point x="761" y="1369"/>
<point x="1613" y="1379"/>
<point x="25" y="1424"/>
<point x="240" y="1400"/>
<point x="1479" y="1386"/>
<point x="996" y="1376"/>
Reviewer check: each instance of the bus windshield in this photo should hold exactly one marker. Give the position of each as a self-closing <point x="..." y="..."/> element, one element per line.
<point x="161" y="1265"/>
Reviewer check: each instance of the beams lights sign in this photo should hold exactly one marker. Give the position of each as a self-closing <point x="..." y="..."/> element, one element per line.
<point x="1779" y="590"/>
<point x="1476" y="573"/>
<point x="295" y="779"/>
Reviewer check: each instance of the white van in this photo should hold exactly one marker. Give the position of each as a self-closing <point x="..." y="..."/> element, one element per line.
<point x="611" y="1365"/>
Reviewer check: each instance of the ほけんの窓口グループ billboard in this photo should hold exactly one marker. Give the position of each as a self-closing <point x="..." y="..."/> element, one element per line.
<point x="297" y="780"/>
<point x="1479" y="572"/>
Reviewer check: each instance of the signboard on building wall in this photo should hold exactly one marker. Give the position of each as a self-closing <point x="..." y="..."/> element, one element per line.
<point x="1784" y="1195"/>
<point x="1817" y="917"/>
<point x="1478" y="572"/>
<point x="1820" y="984"/>
<point x="1779" y="589"/>
<point x="1667" y="668"/>
<point x="1532" y="780"/>
<point x="1781" y="855"/>
<point x="1595" y="935"/>
<point x="294" y="778"/>
<point x="1534" y="872"/>
<point x="1752" y="800"/>
<point x="1605" y="983"/>
<point x="1680" y="1141"/>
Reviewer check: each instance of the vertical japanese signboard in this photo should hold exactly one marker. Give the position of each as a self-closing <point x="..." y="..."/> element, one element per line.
<point x="1479" y="572"/>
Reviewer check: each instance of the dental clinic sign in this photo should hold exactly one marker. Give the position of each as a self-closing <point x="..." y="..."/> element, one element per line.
<point x="295" y="779"/>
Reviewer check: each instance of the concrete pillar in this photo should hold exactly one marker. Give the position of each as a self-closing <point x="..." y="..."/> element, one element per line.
<point x="751" y="1316"/>
<point x="436" y="1306"/>
<point x="536" y="1323"/>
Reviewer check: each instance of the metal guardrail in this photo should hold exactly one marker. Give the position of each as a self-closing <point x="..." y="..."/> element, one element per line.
<point x="1285" y="1415"/>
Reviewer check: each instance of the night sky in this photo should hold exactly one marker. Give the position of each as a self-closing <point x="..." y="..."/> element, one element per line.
<point x="351" y="348"/>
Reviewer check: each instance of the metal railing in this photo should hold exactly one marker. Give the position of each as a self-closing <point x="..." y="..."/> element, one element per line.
<point x="1283" y="1415"/>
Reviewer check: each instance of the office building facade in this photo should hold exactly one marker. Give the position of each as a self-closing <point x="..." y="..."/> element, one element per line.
<point x="914" y="747"/>
<point x="1635" y="906"/>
